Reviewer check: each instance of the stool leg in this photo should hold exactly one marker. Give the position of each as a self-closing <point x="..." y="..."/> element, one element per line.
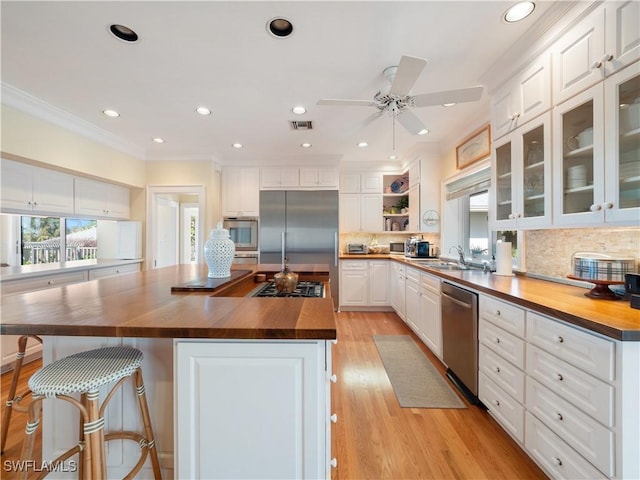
<point x="35" y="411"/>
<point x="11" y="397"/>
<point x="146" y="419"/>
<point x="94" y="437"/>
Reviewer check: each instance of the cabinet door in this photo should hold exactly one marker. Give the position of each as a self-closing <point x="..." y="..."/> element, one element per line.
<point x="289" y="177"/>
<point x="503" y="111"/>
<point x="90" y="197"/>
<point x="622" y="34"/>
<point x="622" y="145"/>
<point x="270" y="178"/>
<point x="503" y="182"/>
<point x="52" y="191"/>
<point x="578" y="152"/>
<point x="371" y="182"/>
<point x="430" y="319"/>
<point x="350" y="183"/>
<point x="414" y="209"/>
<point x="412" y="303"/>
<point x="354" y="283"/>
<point x="117" y="202"/>
<point x="577" y="58"/>
<point x="270" y="393"/>
<point x="249" y="192"/>
<point x="349" y="212"/>
<point x="397" y="288"/>
<point x="371" y="213"/>
<point x="17" y="186"/>
<point x="319" y="177"/>
<point x="379" y="282"/>
<point x="309" y="177"/>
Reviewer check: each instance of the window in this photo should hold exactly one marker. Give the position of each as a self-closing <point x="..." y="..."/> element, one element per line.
<point x="41" y="239"/>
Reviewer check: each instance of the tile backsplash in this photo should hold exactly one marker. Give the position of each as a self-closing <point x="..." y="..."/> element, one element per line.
<point x="382" y="238"/>
<point x="549" y="252"/>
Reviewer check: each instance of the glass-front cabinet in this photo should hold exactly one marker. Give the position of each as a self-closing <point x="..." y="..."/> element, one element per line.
<point x="522" y="177"/>
<point x="597" y="153"/>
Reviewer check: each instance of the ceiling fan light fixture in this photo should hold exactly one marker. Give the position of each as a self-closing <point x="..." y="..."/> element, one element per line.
<point x="519" y="11"/>
<point x="110" y="113"/>
<point x="424" y="131"/>
<point x="123" y="33"/>
<point x="280" y="27"/>
<point x="299" y="110"/>
<point x="204" y="111"/>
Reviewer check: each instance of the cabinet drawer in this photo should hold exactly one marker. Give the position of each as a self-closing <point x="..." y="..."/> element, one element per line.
<point x="592" y="354"/>
<point x="590" y="438"/>
<point x="430" y="283"/>
<point x="589" y="394"/>
<point x="507" y="317"/>
<point x="413" y="274"/>
<point x="508" y="412"/>
<point x="556" y="457"/>
<point x="503" y="343"/>
<point x="354" y="265"/>
<point x="503" y="373"/>
<point x="104" y="272"/>
<point x="40" y="283"/>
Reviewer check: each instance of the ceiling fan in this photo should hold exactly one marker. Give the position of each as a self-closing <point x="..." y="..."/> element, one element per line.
<point x="397" y="101"/>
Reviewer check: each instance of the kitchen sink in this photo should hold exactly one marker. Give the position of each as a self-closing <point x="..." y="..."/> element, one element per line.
<point x="440" y="265"/>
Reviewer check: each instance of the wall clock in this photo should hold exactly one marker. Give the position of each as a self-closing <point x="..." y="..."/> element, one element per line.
<point x="430" y="218"/>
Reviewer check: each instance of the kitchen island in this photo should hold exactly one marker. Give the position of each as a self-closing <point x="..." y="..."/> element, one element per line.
<point x="242" y="377"/>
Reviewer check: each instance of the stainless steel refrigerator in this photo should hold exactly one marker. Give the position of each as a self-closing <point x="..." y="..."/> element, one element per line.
<point x="302" y="226"/>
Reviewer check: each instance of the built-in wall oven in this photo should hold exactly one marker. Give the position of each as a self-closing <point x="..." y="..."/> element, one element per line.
<point x="243" y="232"/>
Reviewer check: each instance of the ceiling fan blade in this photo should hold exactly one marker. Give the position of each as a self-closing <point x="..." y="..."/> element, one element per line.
<point x="410" y="121"/>
<point x="470" y="94"/>
<point x="346" y="103"/>
<point x="408" y="72"/>
<point x="374" y="116"/>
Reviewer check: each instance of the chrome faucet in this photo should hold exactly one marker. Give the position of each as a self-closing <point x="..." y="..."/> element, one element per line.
<point x="461" y="260"/>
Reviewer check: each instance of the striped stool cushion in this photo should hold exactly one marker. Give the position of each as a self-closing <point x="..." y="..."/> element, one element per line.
<point x="85" y="371"/>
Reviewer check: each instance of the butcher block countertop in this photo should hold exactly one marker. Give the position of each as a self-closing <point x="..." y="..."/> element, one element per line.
<point x="612" y="318"/>
<point x="142" y="305"/>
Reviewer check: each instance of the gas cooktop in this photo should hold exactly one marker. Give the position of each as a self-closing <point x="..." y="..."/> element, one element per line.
<point x="303" y="289"/>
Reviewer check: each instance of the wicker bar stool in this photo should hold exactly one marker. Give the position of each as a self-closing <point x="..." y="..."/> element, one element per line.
<point x="13" y="400"/>
<point x="84" y="373"/>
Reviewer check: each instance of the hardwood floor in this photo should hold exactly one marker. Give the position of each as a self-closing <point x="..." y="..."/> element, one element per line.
<point x="374" y="437"/>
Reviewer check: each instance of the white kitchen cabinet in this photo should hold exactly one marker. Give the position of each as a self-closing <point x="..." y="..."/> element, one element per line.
<point x="430" y="323"/>
<point x="507" y="411"/>
<point x="414" y="209"/>
<point x="279" y="177"/>
<point x="319" y="177"/>
<point x="262" y="401"/>
<point x="521" y="177"/>
<point x="360" y="213"/>
<point x="397" y="292"/>
<point x="112" y="271"/>
<point x="523" y="98"/>
<point x="622" y="34"/>
<point x="361" y="182"/>
<point x="101" y="200"/>
<point x="596" y="151"/>
<point x="364" y="283"/>
<point x="240" y="192"/>
<point x="29" y="189"/>
<point x="412" y="298"/>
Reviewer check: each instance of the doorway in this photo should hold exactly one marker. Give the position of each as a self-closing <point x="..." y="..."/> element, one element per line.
<point x="169" y="209"/>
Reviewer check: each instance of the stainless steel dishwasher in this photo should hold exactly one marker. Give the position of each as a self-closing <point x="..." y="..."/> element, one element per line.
<point x="460" y="338"/>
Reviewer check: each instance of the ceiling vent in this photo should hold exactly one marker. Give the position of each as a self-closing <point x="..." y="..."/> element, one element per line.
<point x="301" y="125"/>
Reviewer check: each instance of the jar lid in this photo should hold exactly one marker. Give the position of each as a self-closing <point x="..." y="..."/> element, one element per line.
<point x="219" y="232"/>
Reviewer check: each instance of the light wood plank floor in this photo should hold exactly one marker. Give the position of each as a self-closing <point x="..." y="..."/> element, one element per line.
<point x="374" y="437"/>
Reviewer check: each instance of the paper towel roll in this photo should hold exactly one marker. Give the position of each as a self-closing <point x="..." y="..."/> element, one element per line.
<point x="504" y="259"/>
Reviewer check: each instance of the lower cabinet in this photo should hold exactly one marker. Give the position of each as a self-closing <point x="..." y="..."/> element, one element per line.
<point x="422" y="308"/>
<point x="364" y="283"/>
<point x="397" y="281"/>
<point x="568" y="396"/>
<point x="104" y="272"/>
<point x="252" y="409"/>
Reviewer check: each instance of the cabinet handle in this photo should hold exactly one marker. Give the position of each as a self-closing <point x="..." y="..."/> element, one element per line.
<point x="35" y="204"/>
<point x="50" y="282"/>
<point x="596" y="65"/>
<point x="559" y="339"/>
<point x="608" y="205"/>
<point x="497" y="369"/>
<point x="496" y="403"/>
<point x="511" y="216"/>
<point x="497" y="340"/>
<point x="559" y="416"/>
<point x="559" y="377"/>
<point x="595" y="207"/>
<point x="498" y="313"/>
<point x="515" y="116"/>
<point x="29" y="202"/>
<point x="334" y="462"/>
<point x="557" y="461"/>
<point x="607" y="58"/>
<point x="334" y="418"/>
<point x="333" y="378"/>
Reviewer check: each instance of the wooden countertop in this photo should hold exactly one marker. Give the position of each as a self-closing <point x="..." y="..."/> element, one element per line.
<point x="612" y="318"/>
<point x="142" y="305"/>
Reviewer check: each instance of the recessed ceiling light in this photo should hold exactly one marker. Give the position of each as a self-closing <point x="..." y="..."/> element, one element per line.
<point x="424" y="131"/>
<point x="158" y="140"/>
<point x="305" y="145"/>
<point x="449" y="104"/>
<point x="203" y="111"/>
<point x="237" y="145"/>
<point x="110" y="113"/>
<point x="392" y="157"/>
<point x="519" y="11"/>
<point x="123" y="33"/>
<point x="299" y="110"/>
<point x="280" y="27"/>
<point x="363" y="144"/>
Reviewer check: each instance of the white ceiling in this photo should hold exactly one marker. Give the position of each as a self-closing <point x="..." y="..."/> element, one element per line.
<point x="219" y="54"/>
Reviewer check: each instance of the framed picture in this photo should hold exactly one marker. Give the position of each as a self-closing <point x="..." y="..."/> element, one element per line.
<point x="474" y="148"/>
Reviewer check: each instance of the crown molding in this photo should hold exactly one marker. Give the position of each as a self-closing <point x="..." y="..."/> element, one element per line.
<point x="26" y="103"/>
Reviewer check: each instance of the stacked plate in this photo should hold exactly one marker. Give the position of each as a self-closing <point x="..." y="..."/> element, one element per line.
<point x="576" y="176"/>
<point x="629" y="169"/>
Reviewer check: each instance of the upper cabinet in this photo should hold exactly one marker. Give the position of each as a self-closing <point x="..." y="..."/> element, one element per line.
<point x="101" y="200"/>
<point x="597" y="153"/>
<point x="240" y="192"/>
<point x="522" y="177"/>
<point x="603" y="43"/>
<point x="523" y="98"/>
<point x="29" y="189"/>
<point x="368" y="182"/>
<point x="301" y="178"/>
